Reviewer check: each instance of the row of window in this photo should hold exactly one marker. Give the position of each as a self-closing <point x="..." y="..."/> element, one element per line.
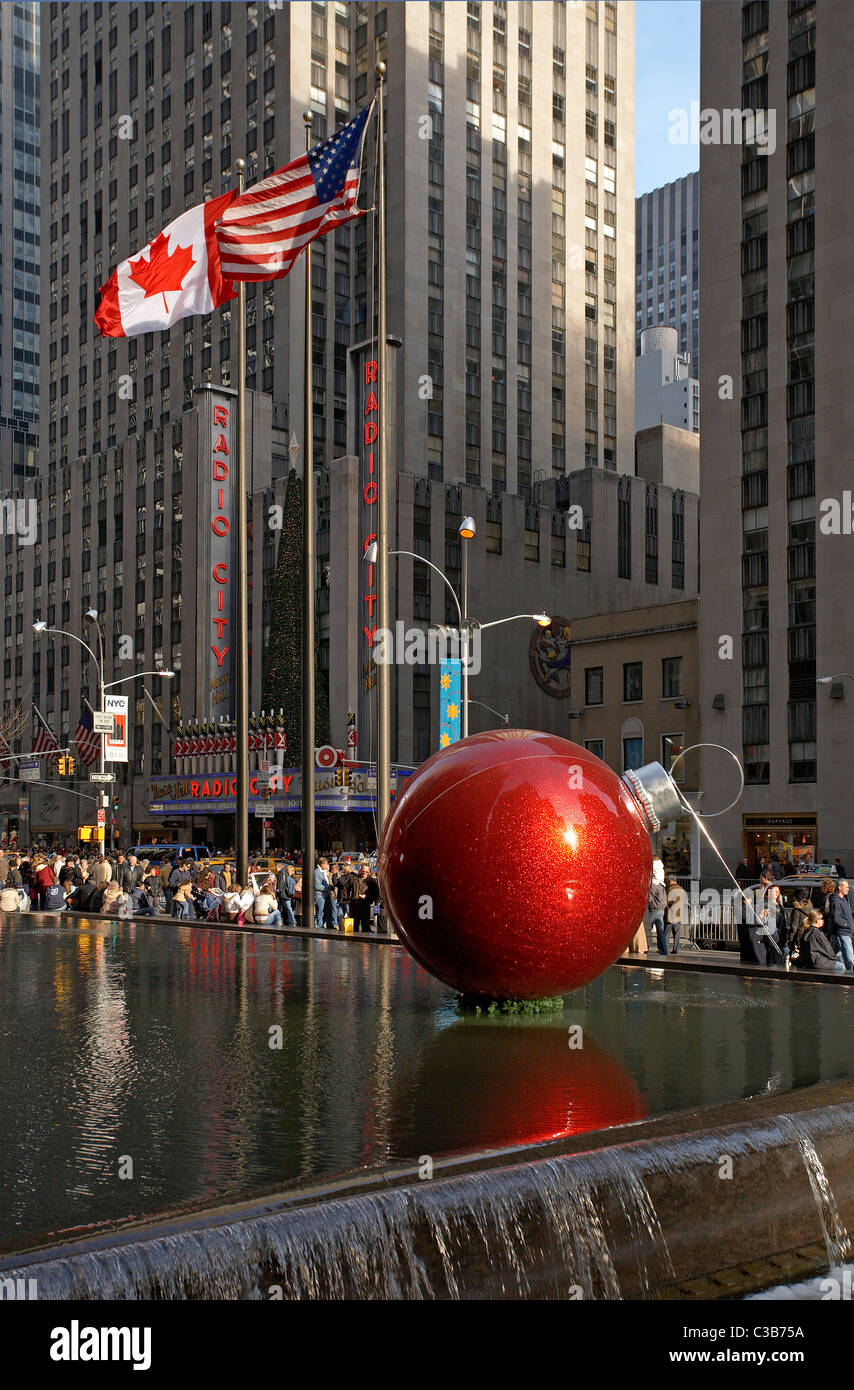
<point x="671" y="681"/>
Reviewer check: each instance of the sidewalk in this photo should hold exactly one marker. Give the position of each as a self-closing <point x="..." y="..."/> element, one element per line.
<point x="324" y="932"/>
<point x="728" y="963"/>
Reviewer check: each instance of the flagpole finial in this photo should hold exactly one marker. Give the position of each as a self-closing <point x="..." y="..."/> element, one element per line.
<point x="307" y="118"/>
<point x="240" y="165"/>
<point x="380" y="70"/>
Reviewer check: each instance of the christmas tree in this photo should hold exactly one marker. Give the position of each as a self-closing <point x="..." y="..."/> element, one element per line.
<point x="283" y="658"/>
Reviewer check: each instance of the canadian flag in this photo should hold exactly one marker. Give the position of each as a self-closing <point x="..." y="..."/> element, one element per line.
<point x="175" y="275"/>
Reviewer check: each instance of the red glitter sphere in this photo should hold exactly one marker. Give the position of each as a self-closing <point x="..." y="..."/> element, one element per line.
<point x="515" y="865"/>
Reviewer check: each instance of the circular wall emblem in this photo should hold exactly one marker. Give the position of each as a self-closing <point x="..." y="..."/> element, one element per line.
<point x="549" y="655"/>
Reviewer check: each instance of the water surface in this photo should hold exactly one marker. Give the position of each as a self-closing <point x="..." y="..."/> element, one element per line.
<point x="137" y="1072"/>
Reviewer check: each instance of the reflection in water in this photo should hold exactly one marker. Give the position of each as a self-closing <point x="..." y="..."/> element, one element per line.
<point x="152" y="1043"/>
<point x="514" y="1085"/>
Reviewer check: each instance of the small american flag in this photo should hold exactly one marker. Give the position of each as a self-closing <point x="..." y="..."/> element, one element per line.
<point x="263" y="231"/>
<point x="44" y="739"/>
<point x="88" y="742"/>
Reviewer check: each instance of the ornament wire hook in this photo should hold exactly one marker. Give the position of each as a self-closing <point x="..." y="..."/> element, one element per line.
<point x="709" y="815"/>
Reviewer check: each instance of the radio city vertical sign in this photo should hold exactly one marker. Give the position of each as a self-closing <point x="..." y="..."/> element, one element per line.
<point x="365" y="426"/>
<point x="370" y="439"/>
<point x="216" y="575"/>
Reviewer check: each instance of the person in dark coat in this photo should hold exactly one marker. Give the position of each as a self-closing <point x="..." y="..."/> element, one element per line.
<point x="286" y="887"/>
<point x="815" y="951"/>
<point x="368" y="894"/>
<point x="840" y="923"/>
<point x="801" y="909"/>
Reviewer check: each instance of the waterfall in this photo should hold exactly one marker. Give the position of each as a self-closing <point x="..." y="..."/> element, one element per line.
<point x="633" y="1221"/>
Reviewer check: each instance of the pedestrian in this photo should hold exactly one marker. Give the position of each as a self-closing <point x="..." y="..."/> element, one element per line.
<point x="182" y="900"/>
<point x="54" y="896"/>
<point x="86" y="894"/>
<point x="815" y="952"/>
<point x="264" y="912"/>
<point x="657" y="904"/>
<point x="322" y="888"/>
<point x="179" y="876"/>
<point x="742" y="873"/>
<point x="165" y="872"/>
<point x="348" y="889"/>
<point x="9" y="900"/>
<point x="840" y="924"/>
<point x="839" y="867"/>
<point x="286" y="887"/>
<point x="762" y="934"/>
<point x="367" y="894"/>
<point x="103" y="871"/>
<point x="801" y="908"/>
<point x="44" y="878"/>
<point x="675" y="915"/>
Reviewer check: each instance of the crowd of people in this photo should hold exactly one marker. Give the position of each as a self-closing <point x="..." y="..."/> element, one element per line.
<point x="346" y="892"/>
<point x="803" y="936"/>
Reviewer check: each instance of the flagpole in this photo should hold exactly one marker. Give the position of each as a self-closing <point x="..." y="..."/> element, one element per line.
<point x="308" y="825"/>
<point x="383" y="547"/>
<point x="241" y="808"/>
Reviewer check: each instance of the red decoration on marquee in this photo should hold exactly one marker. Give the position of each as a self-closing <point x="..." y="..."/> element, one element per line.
<point x="497" y="865"/>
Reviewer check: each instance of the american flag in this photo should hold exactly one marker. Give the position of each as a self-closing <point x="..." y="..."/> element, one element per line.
<point x="263" y="231"/>
<point x="44" y="739"/>
<point x="88" y="742"/>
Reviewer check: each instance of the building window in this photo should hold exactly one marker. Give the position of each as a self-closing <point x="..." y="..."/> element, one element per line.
<point x="594" y="685"/>
<point x="671" y="678"/>
<point x="671" y="747"/>
<point x="596" y="746"/>
<point x="632" y="753"/>
<point x="632" y="680"/>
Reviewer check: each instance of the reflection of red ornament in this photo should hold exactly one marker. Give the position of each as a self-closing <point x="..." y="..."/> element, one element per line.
<point x="516" y="865"/>
<point x="513" y="1083"/>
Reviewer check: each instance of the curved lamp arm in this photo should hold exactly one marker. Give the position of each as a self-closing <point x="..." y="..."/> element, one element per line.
<point x="496" y="622"/>
<point x="436" y="570"/>
<point x="60" y="631"/>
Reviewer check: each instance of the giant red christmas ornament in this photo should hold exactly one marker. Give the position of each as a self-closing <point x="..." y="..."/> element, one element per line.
<point x="517" y="865"/>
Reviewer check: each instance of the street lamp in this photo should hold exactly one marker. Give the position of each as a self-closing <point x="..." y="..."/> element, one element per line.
<point x="466" y="531"/>
<point x="826" y="680"/>
<point x="92" y="614"/>
<point x="42" y="627"/>
<point x="137" y="675"/>
<point x="505" y="718"/>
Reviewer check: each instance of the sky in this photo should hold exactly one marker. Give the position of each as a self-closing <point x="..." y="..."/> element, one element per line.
<point x="667" y="76"/>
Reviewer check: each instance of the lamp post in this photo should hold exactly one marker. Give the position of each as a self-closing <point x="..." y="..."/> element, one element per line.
<point x="505" y="718"/>
<point x="92" y="615"/>
<point x="467" y="531"/>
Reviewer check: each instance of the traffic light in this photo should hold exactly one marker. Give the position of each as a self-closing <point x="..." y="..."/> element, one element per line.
<point x="342" y="776"/>
<point x="69" y="763"/>
<point x="61" y="766"/>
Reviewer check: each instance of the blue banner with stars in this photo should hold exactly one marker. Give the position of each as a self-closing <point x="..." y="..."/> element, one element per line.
<point x="450" y="702"/>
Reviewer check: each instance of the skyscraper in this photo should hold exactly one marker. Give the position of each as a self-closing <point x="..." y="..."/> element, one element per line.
<point x="667" y="280"/>
<point x="19" y="244"/>
<point x="776" y="278"/>
<point x="509" y="289"/>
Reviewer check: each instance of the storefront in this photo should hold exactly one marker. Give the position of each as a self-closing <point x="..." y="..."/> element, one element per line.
<point x="200" y="809"/>
<point x="788" y="839"/>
